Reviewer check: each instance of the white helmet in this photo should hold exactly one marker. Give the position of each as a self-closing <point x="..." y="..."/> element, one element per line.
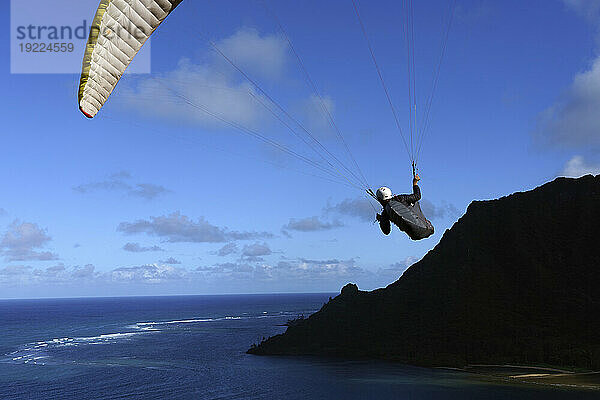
<point x="384" y="193"/>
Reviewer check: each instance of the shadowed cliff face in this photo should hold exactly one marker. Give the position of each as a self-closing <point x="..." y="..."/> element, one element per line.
<point x="515" y="280"/>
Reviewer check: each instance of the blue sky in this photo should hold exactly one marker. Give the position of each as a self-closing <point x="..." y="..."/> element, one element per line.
<point x="156" y="197"/>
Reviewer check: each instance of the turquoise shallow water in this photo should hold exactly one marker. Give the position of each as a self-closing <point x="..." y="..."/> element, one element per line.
<point x="193" y="347"/>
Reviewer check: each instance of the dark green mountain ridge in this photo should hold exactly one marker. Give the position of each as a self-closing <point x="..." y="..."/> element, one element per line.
<point x="515" y="280"/>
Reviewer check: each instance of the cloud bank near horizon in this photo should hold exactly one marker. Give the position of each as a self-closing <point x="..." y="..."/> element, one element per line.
<point x="242" y="276"/>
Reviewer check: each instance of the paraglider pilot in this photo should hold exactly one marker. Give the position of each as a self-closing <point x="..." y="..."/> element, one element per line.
<point x="384" y="196"/>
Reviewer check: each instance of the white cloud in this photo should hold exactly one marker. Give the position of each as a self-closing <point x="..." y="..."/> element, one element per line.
<point x="440" y="211"/>
<point x="120" y="175"/>
<point x="177" y="228"/>
<point x="137" y="248"/>
<point x="229" y="248"/>
<point x="242" y="276"/>
<point x="230" y="269"/>
<point x="310" y="270"/>
<point x="262" y="55"/>
<point x="87" y="274"/>
<point x="577" y="166"/>
<point x="255" y="251"/>
<point x="147" y="191"/>
<point x="24" y="235"/>
<point x="117" y="183"/>
<point x="170" y="261"/>
<point x="15" y="270"/>
<point x="149" y="274"/>
<point x="589" y="9"/>
<point x="55" y="275"/>
<point x="574" y="121"/>
<point x="185" y="93"/>
<point x="311" y="224"/>
<point x="189" y="91"/>
<point x="298" y="271"/>
<point x="108" y="185"/>
<point x="394" y="271"/>
<point x="22" y="242"/>
<point x="56" y="270"/>
<point x="358" y="207"/>
<point x="83" y="272"/>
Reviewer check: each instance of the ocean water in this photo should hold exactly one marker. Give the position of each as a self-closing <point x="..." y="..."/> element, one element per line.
<point x="193" y="347"/>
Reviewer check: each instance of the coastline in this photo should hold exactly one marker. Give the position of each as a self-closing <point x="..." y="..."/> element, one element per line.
<point x="534" y="375"/>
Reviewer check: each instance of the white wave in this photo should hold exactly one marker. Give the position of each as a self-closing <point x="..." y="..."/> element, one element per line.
<point x="149" y="325"/>
<point x="182" y="321"/>
<point x="31" y="353"/>
<point x="34" y="352"/>
<point x="109" y="336"/>
<point x="146" y="325"/>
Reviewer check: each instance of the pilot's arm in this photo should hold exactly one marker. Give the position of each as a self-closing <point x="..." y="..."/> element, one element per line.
<point x="411" y="198"/>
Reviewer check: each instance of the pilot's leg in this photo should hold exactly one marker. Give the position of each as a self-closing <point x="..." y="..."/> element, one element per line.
<point x="384" y="224"/>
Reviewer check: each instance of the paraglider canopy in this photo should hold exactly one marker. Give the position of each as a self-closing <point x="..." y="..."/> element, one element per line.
<point x="119" y="30"/>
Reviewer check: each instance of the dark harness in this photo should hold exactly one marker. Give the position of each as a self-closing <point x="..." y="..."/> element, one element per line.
<point x="409" y="218"/>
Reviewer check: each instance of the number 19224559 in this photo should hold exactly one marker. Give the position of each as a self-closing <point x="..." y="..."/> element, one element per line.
<point x="37" y="47"/>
